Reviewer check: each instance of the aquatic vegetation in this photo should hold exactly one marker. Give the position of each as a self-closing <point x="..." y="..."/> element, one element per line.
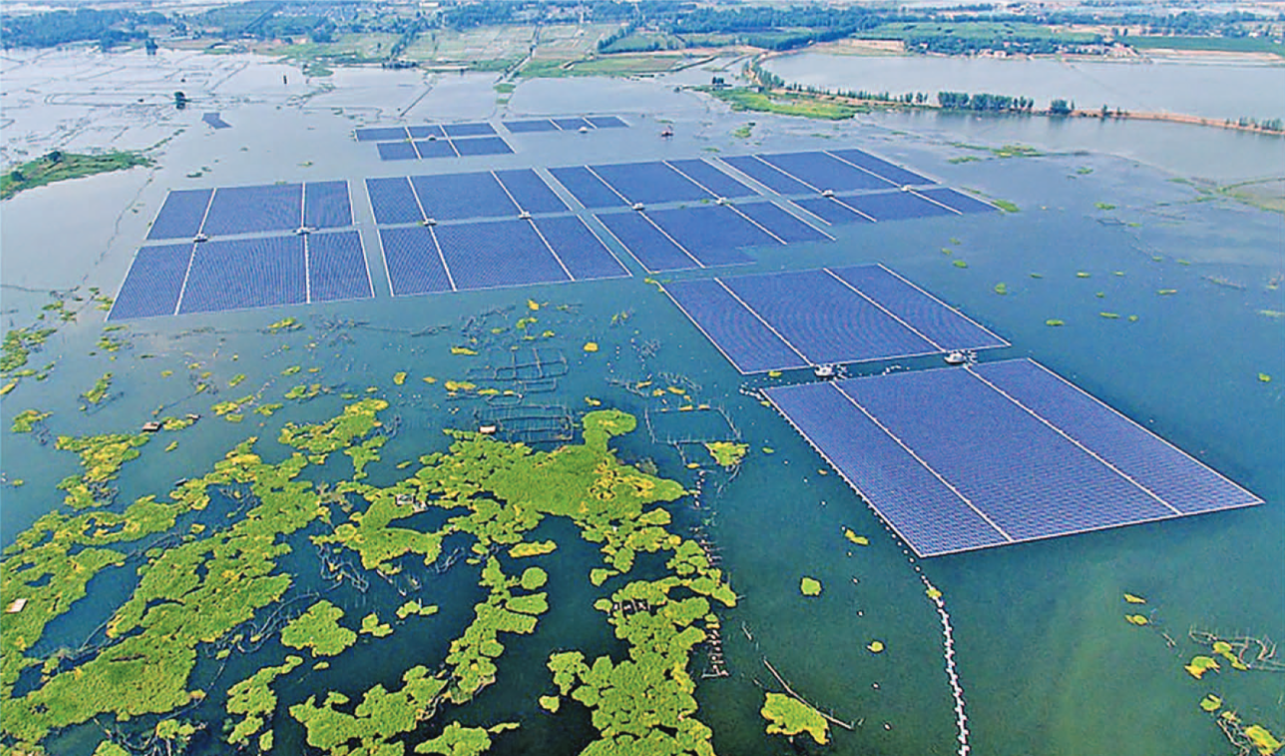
<point x="416" y="608"/>
<point x="304" y="392"/>
<point x="1109" y="315"/>
<point x="459" y="386"/>
<point x="1167" y="292"/>
<point x="399" y="378"/>
<point x="1001" y="288"/>
<point x="789" y="716"/>
<point x="854" y="538"/>
<point x="1005" y="205"/>
<point x="284" y="325"/>
<point x="1104" y="205"/>
<point x="465" y="351"/>
<point x="1264" y="377"/>
<point x="99" y="391"/>
<point x="1263" y="740"/>
<point x="231" y="407"/>
<point x="1054" y="322"/>
<point x="457" y="740"/>
<point x="47" y="169"/>
<point x="1200" y="665"/>
<point x="875" y="647"/>
<point x="254" y="699"/>
<point x="1211" y="703"/>
<point x="26" y="420"/>
<point x="810" y="587"/>
<point x="960" y="264"/>
<point x="293" y="369"/>
<point x="591" y="346"/>
<point x="538" y="548"/>
<point x="727" y="454"/>
<point x="1132" y="599"/>
<point x="319" y="629"/>
<point x="371" y="625"/>
<point x="1137" y="619"/>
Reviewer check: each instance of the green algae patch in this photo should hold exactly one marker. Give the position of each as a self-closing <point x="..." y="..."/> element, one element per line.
<point x="319" y="629"/>
<point x="1262" y="739"/>
<point x="1211" y="703"/>
<point x="458" y="740"/>
<point x="538" y="548"/>
<point x="875" y="647"/>
<point x="399" y="378"/>
<point x="1001" y="288"/>
<point x="1200" y="665"/>
<point x="416" y="608"/>
<point x="1137" y="619"/>
<point x="854" y="538"/>
<point x="370" y="625"/>
<point x="960" y="264"/>
<point x="284" y="325"/>
<point x="26" y="420"/>
<point x="727" y="453"/>
<point x="810" y="587"/>
<point x="1264" y="378"/>
<point x="99" y="391"/>
<point x="789" y="716"/>
<point x="1054" y="323"/>
<point x="1132" y="599"/>
<point x="551" y="704"/>
<point x="254" y="700"/>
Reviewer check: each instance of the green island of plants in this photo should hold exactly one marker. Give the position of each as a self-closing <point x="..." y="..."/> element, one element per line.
<point x="790" y="716"/>
<point x="728" y="454"/>
<point x="25" y="421"/>
<point x="64" y="166"/>
<point x="254" y="700"/>
<point x="319" y="629"/>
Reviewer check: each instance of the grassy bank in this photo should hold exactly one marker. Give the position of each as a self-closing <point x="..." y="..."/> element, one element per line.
<point x="65" y="166"/>
<point x="615" y="65"/>
<point x="808" y="106"/>
<point x="1208" y="44"/>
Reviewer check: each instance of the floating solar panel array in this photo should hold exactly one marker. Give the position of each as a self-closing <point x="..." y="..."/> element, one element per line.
<point x="961" y="459"/>
<point x="780" y="321"/>
<point x="575" y="123"/>
<point x="425" y="141"/>
<point x="236" y="210"/>
<point x="460" y="196"/>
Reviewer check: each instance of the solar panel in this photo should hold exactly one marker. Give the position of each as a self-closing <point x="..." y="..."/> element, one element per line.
<point x="454" y="130"/>
<point x="381" y="134"/>
<point x="892" y="206"/>
<point x="957" y="201"/>
<point x="245" y="273"/>
<point x="747" y="342"/>
<point x="153" y="283"/>
<point x="824" y="319"/>
<point x="435" y="148"/>
<point x="894" y="173"/>
<point x="393" y="201"/>
<point x="413" y="263"/>
<point x="579" y="249"/>
<point x="397" y="151"/>
<point x="181" y="215"/>
<point x="496" y="254"/>
<point x="830" y="211"/>
<point x="586" y="187"/>
<point x="646" y="243"/>
<point x="717" y="182"/>
<point x="825" y="172"/>
<point x="254" y="209"/>
<point x="650" y="182"/>
<point x="526" y="127"/>
<point x="337" y="267"/>
<point x="215" y="121"/>
<point x="923" y="510"/>
<point x="787" y="227"/>
<point x="571" y="124"/>
<point x="945" y="327"/>
<point x="530" y="191"/>
<point x="326" y="204"/>
<point x="424" y="131"/>
<point x="606" y="122"/>
<point x="481" y="146"/>
<point x="768" y="176"/>
<point x="456" y="196"/>
<point x="1182" y="481"/>
<point x="713" y="233"/>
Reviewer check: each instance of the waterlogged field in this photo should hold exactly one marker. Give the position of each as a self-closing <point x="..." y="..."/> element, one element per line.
<point x="554" y="518"/>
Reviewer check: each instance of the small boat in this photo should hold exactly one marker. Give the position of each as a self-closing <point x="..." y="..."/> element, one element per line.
<point x="488" y="430"/>
<point x="667" y="132"/>
<point x="151" y="427"/>
<point x="956" y="358"/>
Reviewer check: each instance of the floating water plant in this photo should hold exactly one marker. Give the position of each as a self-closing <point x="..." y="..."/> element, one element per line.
<point x="960" y="264"/>
<point x="26" y="420"/>
<point x="1136" y="619"/>
<point x="1264" y="377"/>
<point x="810" y="586"/>
<point x="1054" y="323"/>
<point x="399" y="378"/>
<point x="370" y="625"/>
<point x="1211" y="703"/>
<point x="1001" y="288"/>
<point x="789" y="716"/>
<point x="255" y="701"/>
<point x="1104" y="205"/>
<point x="416" y="608"/>
<point x="875" y="647"/>
<point x="727" y="454"/>
<point x="537" y="548"/>
<point x="319" y="629"/>
<point x="1200" y="665"/>
<point x="1132" y="599"/>
<point x="1263" y="740"/>
<point x="1167" y="292"/>
<point x="98" y="392"/>
<point x="285" y="324"/>
<point x="1083" y="274"/>
<point x="591" y="346"/>
<point x="1109" y="315"/>
<point x="857" y="539"/>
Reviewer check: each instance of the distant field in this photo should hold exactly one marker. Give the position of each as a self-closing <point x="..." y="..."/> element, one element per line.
<point x="974" y="30"/>
<point x="645" y="42"/>
<point x="807" y="107"/>
<point x="490" y="43"/>
<point x="615" y="65"/>
<point x="571" y="41"/>
<point x="352" y="48"/>
<point x="1208" y="44"/>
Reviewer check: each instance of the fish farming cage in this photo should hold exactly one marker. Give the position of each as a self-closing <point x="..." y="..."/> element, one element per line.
<point x="529" y="424"/>
<point x="533" y="366"/>
<point x="690" y="425"/>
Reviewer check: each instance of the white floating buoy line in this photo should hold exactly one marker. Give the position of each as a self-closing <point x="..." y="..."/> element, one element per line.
<point x="948" y="645"/>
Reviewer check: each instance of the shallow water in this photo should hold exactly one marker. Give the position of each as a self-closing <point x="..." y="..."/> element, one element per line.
<point x="1047" y="662"/>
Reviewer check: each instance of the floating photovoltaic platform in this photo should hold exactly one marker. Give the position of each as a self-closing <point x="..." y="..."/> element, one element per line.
<point x="458" y="196"/>
<point x="497" y="254"/>
<point x="649" y="245"/>
<point x="393" y="200"/>
<point x="712" y="233"/>
<point x="154" y="282"/>
<point x="181" y="215"/>
<point x="235" y="210"/>
<point x="423" y="131"/>
<point x="244" y="273"/>
<point x="493" y="145"/>
<point x="581" y="251"/>
<point x="337" y="267"/>
<point x="399" y="150"/>
<point x="326" y="204"/>
<point x="650" y="182"/>
<point x="958" y="201"/>
<point x="718" y="183"/>
<point x="574" y="123"/>
<point x="768" y="175"/>
<point x="782" y="224"/>
<point x="587" y="187"/>
<point x="426" y="149"/>
<point x="530" y="192"/>
<point x="880" y="167"/>
<point x="962" y="459"/>
<point x="531" y="126"/>
<point x="832" y="211"/>
<point x="413" y="261"/>
<point x="896" y="205"/>
<point x="825" y="171"/>
<point x="780" y="321"/>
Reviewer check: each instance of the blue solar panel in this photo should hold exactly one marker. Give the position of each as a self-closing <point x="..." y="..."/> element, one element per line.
<point x="397" y="151"/>
<point x="337" y="267"/>
<point x="497" y="253"/>
<point x="650" y="182"/>
<point x="254" y="209"/>
<point x="571" y="124"/>
<point x="393" y="201"/>
<point x="326" y="204"/>
<point x="712" y="233"/>
<point x="424" y="131"/>
<point x="721" y="184"/>
<point x="578" y="248"/>
<point x="467" y="129"/>
<point x="381" y="134"/>
<point x="525" y="127"/>
<point x="481" y="146"/>
<point x="744" y="339"/>
<point x="1171" y="474"/>
<point x="831" y="211"/>
<point x="789" y="228"/>
<point x="1029" y="480"/>
<point x="646" y="243"/>
<point x="240" y="274"/>
<point x="606" y="122"/>
<point x="825" y="172"/>
<point x="413" y="263"/>
<point x="587" y="187"/>
<point x="181" y="215"/>
<point x="435" y="148"/>
<point x="153" y="284"/>
<point x="941" y="325"/>
<point x="767" y="175"/>
<point x="958" y="201"/>
<point x="530" y="191"/>
<point x="892" y="206"/>
<point x="454" y="196"/>
<point x="824" y="319"/>
<point x="919" y="506"/>
<point x="896" y="174"/>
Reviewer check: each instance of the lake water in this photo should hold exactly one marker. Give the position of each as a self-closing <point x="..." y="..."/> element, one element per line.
<point x="1046" y="659"/>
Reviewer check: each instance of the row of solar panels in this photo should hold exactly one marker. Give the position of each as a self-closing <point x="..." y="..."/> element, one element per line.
<point x="482" y="128"/>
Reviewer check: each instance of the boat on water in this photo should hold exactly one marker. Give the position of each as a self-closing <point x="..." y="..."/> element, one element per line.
<point x="956" y="358"/>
